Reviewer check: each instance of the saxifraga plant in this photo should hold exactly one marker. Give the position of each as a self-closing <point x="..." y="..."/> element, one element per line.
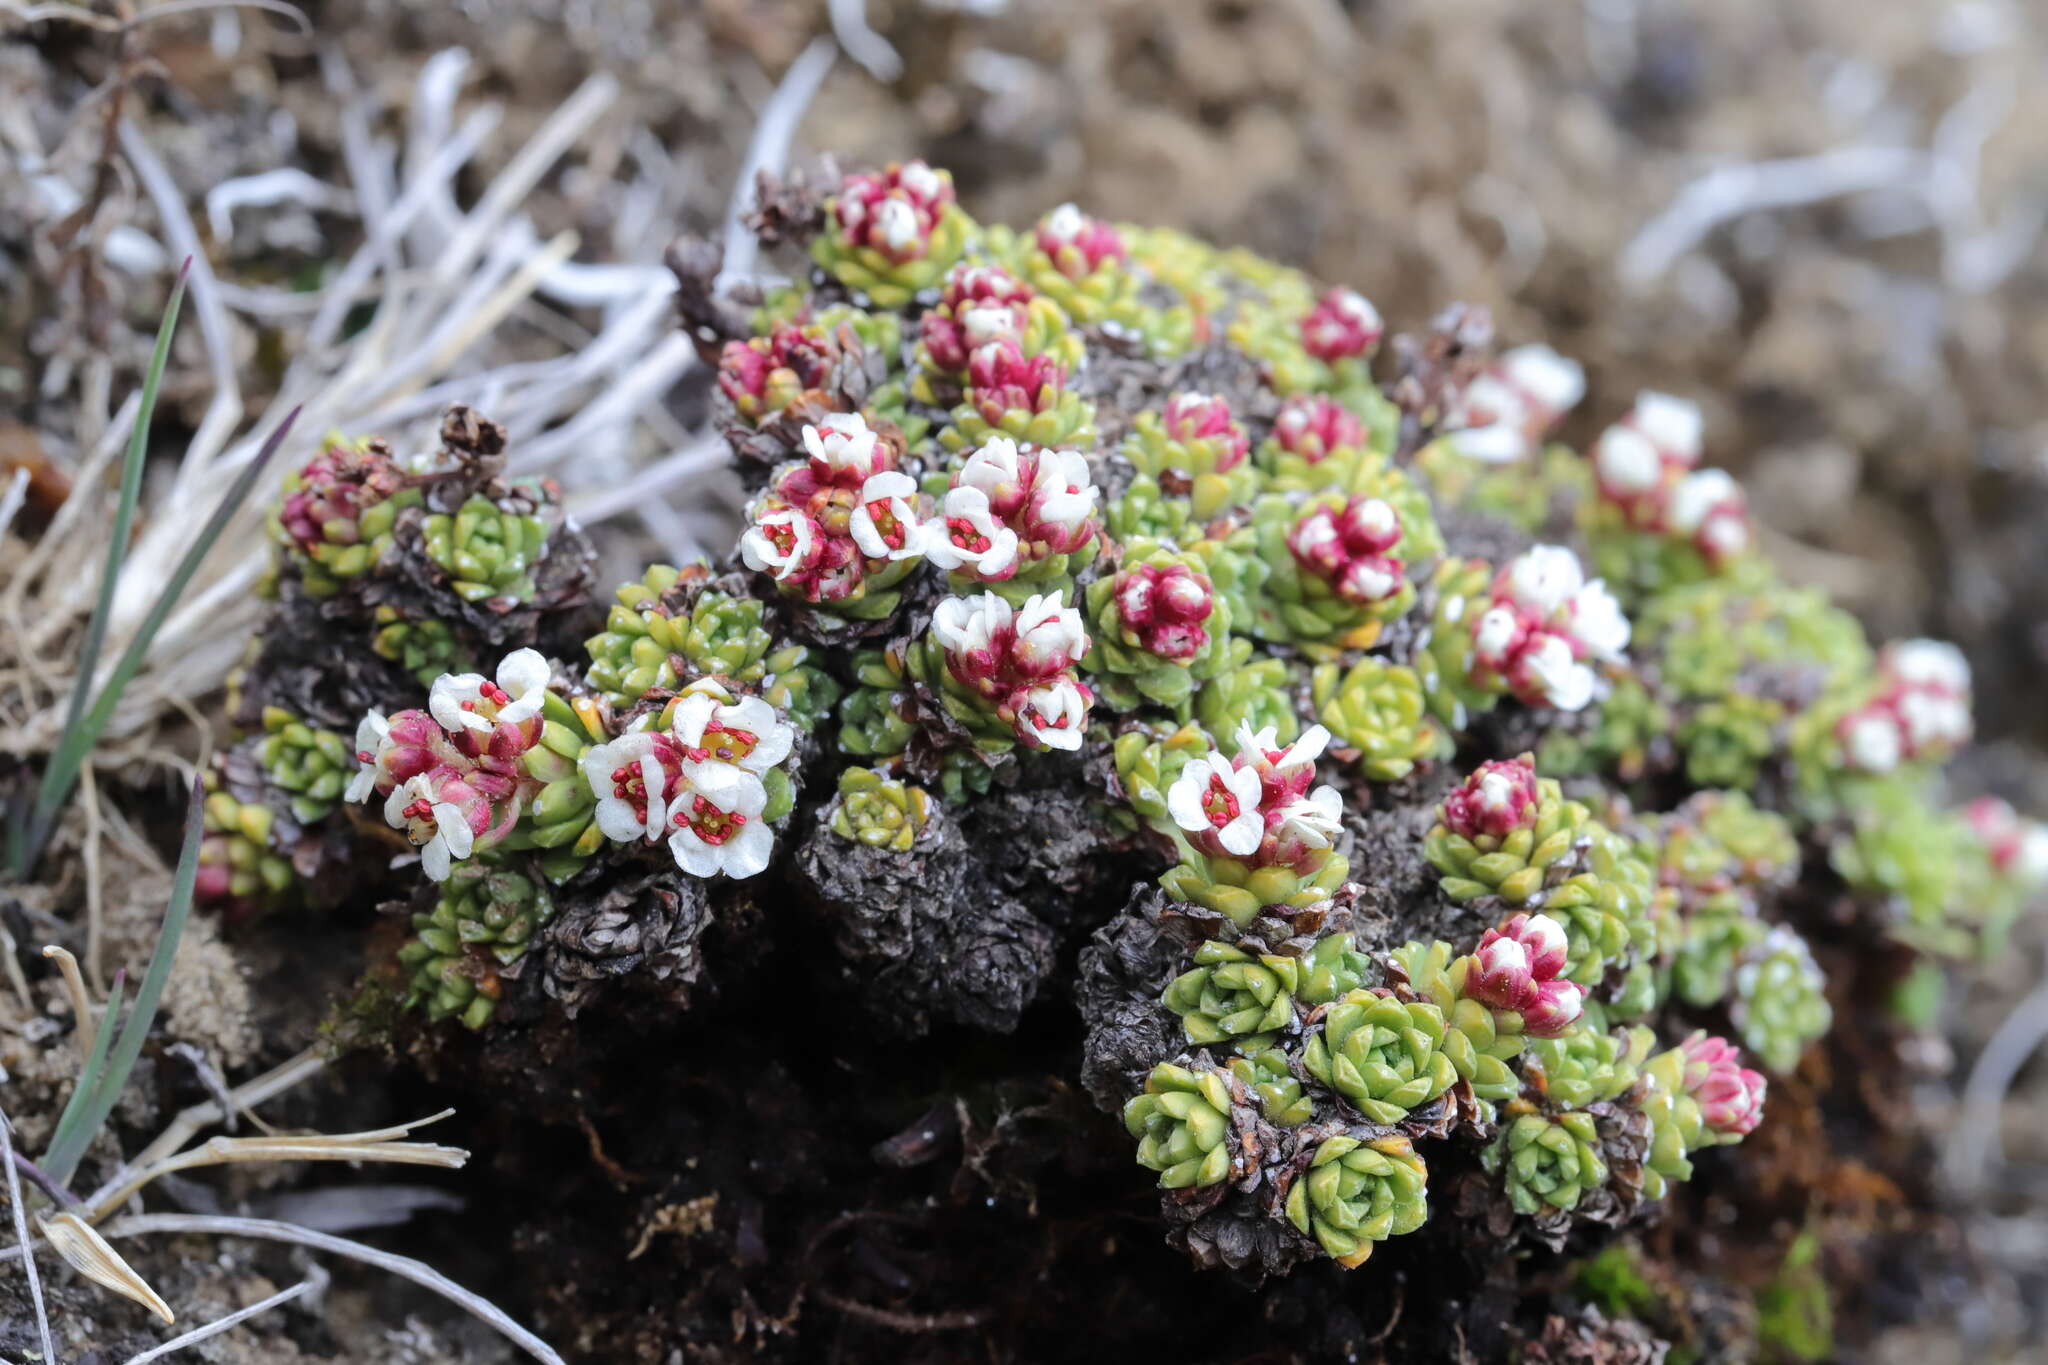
<point x="1082" y="548"/>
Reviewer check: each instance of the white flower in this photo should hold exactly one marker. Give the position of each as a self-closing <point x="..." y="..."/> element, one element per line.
<point x="1564" y="682"/>
<point x="1497" y="792"/>
<point x="897" y="493"/>
<point x="1546" y="935"/>
<point x="997" y="469"/>
<point x="842" y="441"/>
<point x="1314" y="821"/>
<point x="1556" y="381"/>
<point x="1625" y="460"/>
<point x="1698" y="495"/>
<point x="1210" y="795"/>
<point x="1056" y="713"/>
<point x="1504" y="954"/>
<point x="920" y="179"/>
<point x="748" y="733"/>
<point x="1500" y="439"/>
<point x="464" y="701"/>
<point x="1064" y="223"/>
<point x="1597" y="623"/>
<point x="1933" y="718"/>
<point x="897" y="223"/>
<point x="1049" y="633"/>
<point x="452" y="837"/>
<point x="966" y="535"/>
<point x="1359" y="309"/>
<point x="721" y="829"/>
<point x="1929" y="663"/>
<point x="1495" y="635"/>
<point x="1067" y="486"/>
<point x="373" y="732"/>
<point x="967" y="625"/>
<point x="1674" y="425"/>
<point x="1305" y="750"/>
<point x="2033" y="856"/>
<point x="1872" y="742"/>
<point x="1725" y="534"/>
<point x="1544" y="578"/>
<point x="760" y="550"/>
<point x="631" y="786"/>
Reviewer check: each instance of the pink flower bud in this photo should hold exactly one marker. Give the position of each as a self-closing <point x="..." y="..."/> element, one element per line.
<point x="981" y="303"/>
<point x="1311" y="426"/>
<point x="1201" y="417"/>
<point x="1731" y="1097"/>
<point x="1164" y="606"/>
<point x="1518" y="966"/>
<point x="764" y="374"/>
<point x="1347" y="549"/>
<point x="1498" y="798"/>
<point x="1342" y="324"/>
<point x="334" y="488"/>
<point x="1557" y="1006"/>
<point x="1003" y="379"/>
<point x="1078" y="244"/>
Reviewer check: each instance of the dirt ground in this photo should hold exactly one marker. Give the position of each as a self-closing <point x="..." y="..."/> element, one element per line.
<point x="1822" y="220"/>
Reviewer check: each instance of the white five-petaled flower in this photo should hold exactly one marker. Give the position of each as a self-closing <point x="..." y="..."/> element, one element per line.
<point x="1056" y="713"/>
<point x="920" y="179"/>
<point x="1929" y="663"/>
<point x="1064" y="223"/>
<point x="1597" y="622"/>
<point x="1544" y="579"/>
<point x="997" y="469"/>
<point x="373" y="732"/>
<point x="1873" y="741"/>
<point x="1674" y="425"/>
<point x="1049" y="633"/>
<point x="966" y="535"/>
<point x="1067" y="487"/>
<point x="842" y="441"/>
<point x="451" y="837"/>
<point x="1626" y="461"/>
<point x="466" y="701"/>
<point x="1699" y="495"/>
<point x="1211" y="796"/>
<point x="1313" y="821"/>
<point x="1306" y="749"/>
<point x="967" y="625"/>
<point x="747" y="733"/>
<point x="631" y="786"/>
<point x="716" y="822"/>
<point x="779" y="542"/>
<point x="893" y="532"/>
<point x="1495" y="635"/>
<point x="1564" y="682"/>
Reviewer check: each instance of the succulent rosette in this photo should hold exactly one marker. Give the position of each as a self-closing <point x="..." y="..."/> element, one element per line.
<point x="1193" y="447"/>
<point x="1252" y="832"/>
<point x="764" y="375"/>
<point x="1160" y="629"/>
<point x="1356" y="1193"/>
<point x="1192" y="1126"/>
<point x="1544" y="629"/>
<point x="1384" y="1055"/>
<point x="339" y="512"/>
<point x="1009" y="675"/>
<point x="892" y="234"/>
<point x="1340" y="567"/>
<point x="1084" y="266"/>
<point x="1319" y="444"/>
<point x="981" y="303"/>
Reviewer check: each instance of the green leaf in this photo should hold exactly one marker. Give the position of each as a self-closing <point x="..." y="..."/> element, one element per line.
<point x="79" y="739"/>
<point x="75" y="1130"/>
<point x="56" y="784"/>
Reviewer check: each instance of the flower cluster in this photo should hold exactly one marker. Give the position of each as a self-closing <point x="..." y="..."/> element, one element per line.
<point x="842" y="523"/>
<point x="1012" y="510"/>
<point x="339" y="511"/>
<point x="1644" y="468"/>
<point x="980" y="304"/>
<point x="1921" y="710"/>
<point x="1257" y="808"/>
<point x="2017" y="847"/>
<point x="1730" y="1095"/>
<point x="1312" y="426"/>
<point x="1543" y="624"/>
<point x="1506" y="411"/>
<point x="763" y="375"/>
<point x="1019" y="664"/>
<point x="450" y="775"/>
<point x="1351" y="549"/>
<point x="895" y="211"/>
<point x="1077" y="244"/>
<point x="1521" y="967"/>
<point x="1163" y="607"/>
<point x="1342" y="326"/>
<point x="1499" y="797"/>
<point x="697" y="784"/>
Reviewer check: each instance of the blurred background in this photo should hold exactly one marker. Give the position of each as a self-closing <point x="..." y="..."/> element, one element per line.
<point x="1821" y="219"/>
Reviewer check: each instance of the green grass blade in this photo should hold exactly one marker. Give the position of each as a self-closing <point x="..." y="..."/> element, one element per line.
<point x="78" y="741"/>
<point x="88" y="1076"/>
<point x="69" y="1144"/>
<point x="51" y="792"/>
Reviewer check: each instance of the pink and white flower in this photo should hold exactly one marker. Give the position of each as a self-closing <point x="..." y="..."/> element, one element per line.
<point x="886" y="525"/>
<point x="980" y="303"/>
<point x="636" y="778"/>
<point x="1257" y="807"/>
<point x="1350" y="548"/>
<point x="1709" y="507"/>
<point x="1921" y="711"/>
<point x="1191" y="417"/>
<point x="1002" y="379"/>
<point x="1054" y="714"/>
<point x="1544" y="621"/>
<point x="1313" y="425"/>
<point x="1077" y="244"/>
<point x="1639" y="460"/>
<point x="1872" y="739"/>
<point x="1021" y="663"/>
<point x="1506" y="411"/>
<point x="714" y="727"/>
<point x="1049" y="635"/>
<point x="393" y="751"/>
<point x="844" y="450"/>
<point x="783" y="541"/>
<point x="1519" y="966"/>
<point x="500" y="719"/>
<point x="1343" y="324"/>
<point x="1163" y="607"/>
<point x="716" y="824"/>
<point x="966" y="537"/>
<point x="1219" y="801"/>
<point x="1730" y="1095"/>
<point x="442" y="814"/>
<point x="1499" y="797"/>
<point x="894" y="211"/>
<point x="2018" y="846"/>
